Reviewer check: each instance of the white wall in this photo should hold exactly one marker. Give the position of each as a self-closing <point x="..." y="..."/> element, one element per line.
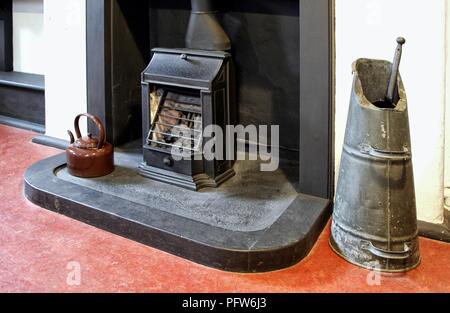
<point x="65" y="64"/>
<point x="447" y="111"/>
<point x="28" y="36"/>
<point x="368" y="29"/>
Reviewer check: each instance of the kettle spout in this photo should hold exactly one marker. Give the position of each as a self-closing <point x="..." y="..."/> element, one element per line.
<point x="72" y="138"/>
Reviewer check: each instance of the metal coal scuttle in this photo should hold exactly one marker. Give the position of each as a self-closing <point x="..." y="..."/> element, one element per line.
<point x="374" y="220"/>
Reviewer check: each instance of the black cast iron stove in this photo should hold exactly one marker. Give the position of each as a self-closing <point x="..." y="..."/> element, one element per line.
<point x="184" y="91"/>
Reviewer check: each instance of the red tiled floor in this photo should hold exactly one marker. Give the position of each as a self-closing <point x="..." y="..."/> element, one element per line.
<point x="36" y="246"/>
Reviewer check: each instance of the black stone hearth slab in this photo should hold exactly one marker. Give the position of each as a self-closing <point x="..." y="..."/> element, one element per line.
<point x="255" y="222"/>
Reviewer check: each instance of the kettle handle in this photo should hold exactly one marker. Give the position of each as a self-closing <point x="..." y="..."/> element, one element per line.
<point x="97" y="122"/>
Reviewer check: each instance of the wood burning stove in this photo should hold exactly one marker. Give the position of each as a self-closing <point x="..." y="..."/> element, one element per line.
<point x="184" y="91"/>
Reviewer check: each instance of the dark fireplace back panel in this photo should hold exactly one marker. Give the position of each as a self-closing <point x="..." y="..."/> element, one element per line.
<point x="265" y="48"/>
<point x="130" y="48"/>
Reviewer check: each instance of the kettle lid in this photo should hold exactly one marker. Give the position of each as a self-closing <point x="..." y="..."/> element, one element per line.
<point x="87" y="142"/>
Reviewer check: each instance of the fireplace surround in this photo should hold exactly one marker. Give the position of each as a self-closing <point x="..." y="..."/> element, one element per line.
<point x="282" y="51"/>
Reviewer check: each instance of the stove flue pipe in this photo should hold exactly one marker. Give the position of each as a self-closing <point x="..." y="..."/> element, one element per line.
<point x="204" y="31"/>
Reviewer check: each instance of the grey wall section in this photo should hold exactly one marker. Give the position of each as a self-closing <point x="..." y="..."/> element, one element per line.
<point x="98" y="46"/>
<point x="316" y="101"/>
<point x="6" y="41"/>
<point x="118" y="50"/>
<point x="265" y="47"/>
<point x="130" y="50"/>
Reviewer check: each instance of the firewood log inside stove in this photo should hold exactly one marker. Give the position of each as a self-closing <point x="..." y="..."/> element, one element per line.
<point x="167" y="119"/>
<point x="189" y="132"/>
<point x="172" y="104"/>
<point x="155" y="99"/>
<point x="183" y="133"/>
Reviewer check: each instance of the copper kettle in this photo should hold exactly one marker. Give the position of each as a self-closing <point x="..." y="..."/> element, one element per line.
<point x="89" y="156"/>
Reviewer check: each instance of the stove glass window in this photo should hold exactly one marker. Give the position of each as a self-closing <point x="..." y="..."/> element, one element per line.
<point x="176" y="118"/>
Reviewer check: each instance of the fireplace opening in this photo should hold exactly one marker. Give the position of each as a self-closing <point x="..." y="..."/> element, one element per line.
<point x="265" y="47"/>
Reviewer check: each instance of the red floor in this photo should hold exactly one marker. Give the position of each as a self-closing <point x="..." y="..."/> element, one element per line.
<point x="37" y="245"/>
